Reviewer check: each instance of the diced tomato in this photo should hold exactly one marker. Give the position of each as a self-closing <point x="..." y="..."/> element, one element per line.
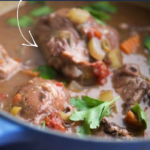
<point x="90" y="33"/>
<point x="17" y="98"/>
<point x="3" y="96"/>
<point x="59" y="84"/>
<point x="103" y="73"/>
<point x="55" y="122"/>
<point x="100" y="71"/>
<point x="102" y="81"/>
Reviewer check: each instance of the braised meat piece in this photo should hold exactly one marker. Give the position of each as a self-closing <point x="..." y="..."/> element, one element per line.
<point x="64" y="45"/>
<point x="110" y="130"/>
<point x="39" y="98"/>
<point x="8" y="66"/>
<point x="130" y="84"/>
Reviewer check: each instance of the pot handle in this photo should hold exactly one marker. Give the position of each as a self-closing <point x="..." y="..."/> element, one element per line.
<point x="11" y="132"/>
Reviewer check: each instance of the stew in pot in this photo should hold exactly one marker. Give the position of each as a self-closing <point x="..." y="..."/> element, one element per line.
<point x="90" y="73"/>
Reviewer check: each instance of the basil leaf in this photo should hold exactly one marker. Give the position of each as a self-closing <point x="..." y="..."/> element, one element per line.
<point x="140" y="114"/>
<point x="105" y="6"/>
<point x="93" y="116"/>
<point x="45" y="10"/>
<point x="147" y="43"/>
<point x="24" y="21"/>
<point x="46" y="72"/>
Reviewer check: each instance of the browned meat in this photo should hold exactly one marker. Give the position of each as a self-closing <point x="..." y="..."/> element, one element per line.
<point x="110" y="130"/>
<point x="65" y="44"/>
<point x="38" y="98"/>
<point x="129" y="83"/>
<point x="8" y="66"/>
<point x="61" y="53"/>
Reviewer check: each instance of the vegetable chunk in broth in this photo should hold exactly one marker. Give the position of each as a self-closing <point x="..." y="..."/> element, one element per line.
<point x="90" y="74"/>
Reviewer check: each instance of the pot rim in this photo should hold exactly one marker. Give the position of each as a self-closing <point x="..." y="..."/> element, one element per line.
<point x="95" y="139"/>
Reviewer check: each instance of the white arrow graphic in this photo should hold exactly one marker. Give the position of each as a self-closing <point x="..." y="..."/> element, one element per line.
<point x="29" y="44"/>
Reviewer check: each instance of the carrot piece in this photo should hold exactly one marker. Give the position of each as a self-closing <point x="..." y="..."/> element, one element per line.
<point x="98" y="34"/>
<point x="1" y="61"/>
<point x="130" y="45"/>
<point x="59" y="84"/>
<point x="31" y="73"/>
<point x="18" y="60"/>
<point x="94" y="32"/>
<point x="17" y="98"/>
<point x="132" y="120"/>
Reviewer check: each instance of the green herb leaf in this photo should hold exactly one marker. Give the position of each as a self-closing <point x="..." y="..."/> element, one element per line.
<point x="85" y="103"/>
<point x="149" y="61"/>
<point x="78" y="103"/>
<point x="98" y="9"/>
<point x="94" y="115"/>
<point x="140" y="114"/>
<point x="35" y="2"/>
<point x="46" y="72"/>
<point x="24" y="21"/>
<point x="45" y="10"/>
<point x="91" y="102"/>
<point x="32" y="2"/>
<point x="100" y="21"/>
<point x="83" y="130"/>
<point x="105" y="6"/>
<point x="64" y="83"/>
<point x="43" y="125"/>
<point x="147" y="43"/>
<point x="97" y="14"/>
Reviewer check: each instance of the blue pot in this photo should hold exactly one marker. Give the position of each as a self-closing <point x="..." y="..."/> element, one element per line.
<point x="16" y="135"/>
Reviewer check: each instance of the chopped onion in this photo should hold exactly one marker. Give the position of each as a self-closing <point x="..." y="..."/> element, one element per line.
<point x="74" y="86"/>
<point x="78" y="16"/>
<point x="64" y="116"/>
<point x="115" y="58"/>
<point x="95" y="49"/>
<point x="64" y="34"/>
<point x="106" y="45"/>
<point x="15" y="110"/>
<point x="106" y="96"/>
